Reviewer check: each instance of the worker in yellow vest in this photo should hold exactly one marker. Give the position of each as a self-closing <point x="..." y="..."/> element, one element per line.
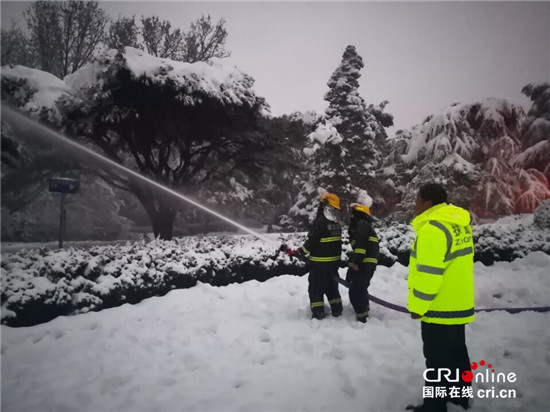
<point x="441" y="292"/>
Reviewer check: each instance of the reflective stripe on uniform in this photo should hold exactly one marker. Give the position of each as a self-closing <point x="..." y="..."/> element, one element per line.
<point x="432" y="270"/>
<point x="333" y="301"/>
<point x="447" y="234"/>
<point x="305" y="250"/>
<point x="331" y="239"/>
<point x="458" y="253"/>
<point x="316" y="304"/>
<point x="373" y="239"/>
<point x="413" y="253"/>
<point x="449" y="314"/>
<point x="324" y="259"/>
<point x="423" y="296"/>
<point x="370" y="260"/>
<point x="363" y="315"/>
<point x="360" y="251"/>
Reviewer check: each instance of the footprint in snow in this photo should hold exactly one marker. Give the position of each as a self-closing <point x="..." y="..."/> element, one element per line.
<point x="238" y="383"/>
<point x="168" y="381"/>
<point x="335" y="353"/>
<point x="264" y="337"/>
<point x="109" y="385"/>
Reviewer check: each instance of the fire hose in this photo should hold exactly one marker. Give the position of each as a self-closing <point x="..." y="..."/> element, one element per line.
<point x="403" y="309"/>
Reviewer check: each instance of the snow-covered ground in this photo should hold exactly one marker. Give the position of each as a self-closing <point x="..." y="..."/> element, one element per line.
<point x="252" y="347"/>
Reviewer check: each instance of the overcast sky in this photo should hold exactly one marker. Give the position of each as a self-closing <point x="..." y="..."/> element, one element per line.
<point x="418" y="56"/>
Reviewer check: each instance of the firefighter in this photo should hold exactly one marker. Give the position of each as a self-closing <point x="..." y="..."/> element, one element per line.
<point x="441" y="290"/>
<point x="323" y="249"/>
<point x="363" y="260"/>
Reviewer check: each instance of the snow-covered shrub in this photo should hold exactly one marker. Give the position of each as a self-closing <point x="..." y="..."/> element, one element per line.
<point x="542" y="215"/>
<point x="509" y="238"/>
<point x="39" y="285"/>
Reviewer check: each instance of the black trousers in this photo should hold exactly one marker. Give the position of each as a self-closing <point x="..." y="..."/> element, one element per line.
<point x="359" y="282"/>
<point x="444" y="346"/>
<point x="322" y="281"/>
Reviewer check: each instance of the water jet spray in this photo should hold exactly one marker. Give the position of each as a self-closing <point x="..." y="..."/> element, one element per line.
<point x="16" y="118"/>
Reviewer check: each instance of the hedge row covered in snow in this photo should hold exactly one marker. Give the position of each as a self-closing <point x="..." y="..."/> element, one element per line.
<point x="41" y="284"/>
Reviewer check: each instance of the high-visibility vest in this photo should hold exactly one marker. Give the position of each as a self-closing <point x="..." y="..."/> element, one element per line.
<point x="441" y="267"/>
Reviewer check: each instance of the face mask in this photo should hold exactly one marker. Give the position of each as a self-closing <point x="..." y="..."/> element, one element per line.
<point x="330" y="213"/>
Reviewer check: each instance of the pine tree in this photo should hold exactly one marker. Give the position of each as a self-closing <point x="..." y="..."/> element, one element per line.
<point x="535" y="132"/>
<point x="345" y="149"/>
<point x="470" y="149"/>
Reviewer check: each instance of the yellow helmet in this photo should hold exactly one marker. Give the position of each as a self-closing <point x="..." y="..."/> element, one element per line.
<point x="360" y="208"/>
<point x="330" y="199"/>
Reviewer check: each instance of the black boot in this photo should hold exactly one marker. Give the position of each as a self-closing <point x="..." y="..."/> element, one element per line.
<point x="336" y="310"/>
<point x="362" y="317"/>
<point x="336" y="307"/>
<point x="318" y="313"/>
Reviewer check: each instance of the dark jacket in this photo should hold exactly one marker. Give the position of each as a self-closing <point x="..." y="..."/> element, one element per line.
<point x="363" y="240"/>
<point x="324" y="240"/>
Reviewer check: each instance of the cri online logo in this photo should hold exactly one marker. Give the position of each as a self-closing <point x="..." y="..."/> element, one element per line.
<point x="469" y="376"/>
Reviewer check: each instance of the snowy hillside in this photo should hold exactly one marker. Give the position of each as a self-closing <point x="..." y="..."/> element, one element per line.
<point x="253" y="347"/>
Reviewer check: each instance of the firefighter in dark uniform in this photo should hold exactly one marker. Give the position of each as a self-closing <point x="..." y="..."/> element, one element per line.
<point x="363" y="260"/>
<point x="324" y="247"/>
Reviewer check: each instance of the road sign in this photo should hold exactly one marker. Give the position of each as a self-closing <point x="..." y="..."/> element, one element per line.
<point x="64" y="185"/>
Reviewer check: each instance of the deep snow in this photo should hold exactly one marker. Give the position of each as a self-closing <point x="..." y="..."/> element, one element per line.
<point x="252" y="347"/>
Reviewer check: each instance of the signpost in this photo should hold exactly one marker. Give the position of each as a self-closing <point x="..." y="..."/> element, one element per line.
<point x="63" y="185"/>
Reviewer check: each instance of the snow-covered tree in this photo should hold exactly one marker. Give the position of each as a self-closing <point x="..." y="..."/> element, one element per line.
<point x="346" y="147"/>
<point x="470" y="149"/>
<point x="536" y="131"/>
<point x="358" y="124"/>
<point x="181" y="124"/>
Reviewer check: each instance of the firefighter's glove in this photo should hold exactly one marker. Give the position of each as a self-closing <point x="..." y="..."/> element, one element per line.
<point x="299" y="253"/>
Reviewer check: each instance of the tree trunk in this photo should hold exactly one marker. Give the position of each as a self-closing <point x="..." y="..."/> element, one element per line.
<point x="206" y="221"/>
<point x="162" y="213"/>
<point x="166" y="226"/>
